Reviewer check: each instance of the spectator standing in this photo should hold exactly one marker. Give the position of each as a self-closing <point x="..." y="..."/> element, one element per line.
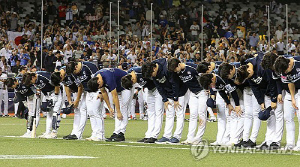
<point x="194" y="30"/>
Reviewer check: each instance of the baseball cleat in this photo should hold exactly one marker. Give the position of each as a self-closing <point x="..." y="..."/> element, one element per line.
<point x="162" y="140"/>
<point x="143" y="140"/>
<point x="263" y="146"/>
<point x="215" y="144"/>
<point x="120" y="137"/>
<point x="26" y="135"/>
<point x="151" y="140"/>
<point x="66" y="137"/>
<point x="297" y="148"/>
<point x="72" y="137"/>
<point x="240" y="144"/>
<point x="187" y="142"/>
<point x="274" y="146"/>
<point x="111" y="138"/>
<point x="249" y="144"/>
<point x="92" y="138"/>
<point x="174" y="140"/>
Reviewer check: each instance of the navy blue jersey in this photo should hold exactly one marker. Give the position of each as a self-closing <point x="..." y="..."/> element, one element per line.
<point x="146" y="83"/>
<point x="22" y="89"/>
<point x="189" y="77"/>
<point x="221" y="86"/>
<point x="236" y="64"/>
<point x="87" y="70"/>
<point x="69" y="81"/>
<point x="112" y="78"/>
<point x="43" y="82"/>
<point x="261" y="82"/>
<point x="292" y="76"/>
<point x="168" y="84"/>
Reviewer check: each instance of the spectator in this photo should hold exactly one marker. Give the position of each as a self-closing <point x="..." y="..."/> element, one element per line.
<point x="253" y="39"/>
<point x="279" y="33"/>
<point x="194" y="29"/>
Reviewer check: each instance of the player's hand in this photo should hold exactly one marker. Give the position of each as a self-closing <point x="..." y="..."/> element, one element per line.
<point x="177" y="106"/>
<point x="230" y="108"/>
<point x="294" y="103"/>
<point x="111" y="113"/>
<point x="262" y="106"/>
<point x="119" y="116"/>
<point x="76" y="103"/>
<point x="238" y="110"/>
<point x="166" y="105"/>
<point x="279" y="98"/>
<point x="273" y="105"/>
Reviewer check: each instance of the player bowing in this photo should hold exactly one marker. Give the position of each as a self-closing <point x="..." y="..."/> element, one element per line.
<point x="110" y="78"/>
<point x="154" y="102"/>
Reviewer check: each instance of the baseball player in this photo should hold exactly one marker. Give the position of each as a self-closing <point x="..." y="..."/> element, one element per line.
<point x="3" y="94"/>
<point x="83" y="71"/>
<point x="80" y="113"/>
<point x="174" y="95"/>
<point x="110" y="78"/>
<point x="197" y="100"/>
<point x="52" y="99"/>
<point x="154" y="102"/>
<point x="228" y="74"/>
<point x="208" y="81"/>
<point x="288" y="68"/>
<point x="25" y="95"/>
<point x="264" y="89"/>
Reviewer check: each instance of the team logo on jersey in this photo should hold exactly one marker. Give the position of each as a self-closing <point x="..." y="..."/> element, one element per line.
<point x="41" y="84"/>
<point x="23" y="90"/>
<point x="83" y="77"/>
<point x="162" y="80"/>
<point x="257" y="80"/>
<point x="230" y="88"/>
<point x="298" y="69"/>
<point x="186" y="78"/>
<point x="142" y="82"/>
<point x="189" y="72"/>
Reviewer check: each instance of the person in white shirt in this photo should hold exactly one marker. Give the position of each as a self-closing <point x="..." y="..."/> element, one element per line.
<point x="279" y="33"/>
<point x="290" y="46"/>
<point x="194" y="29"/>
<point x="280" y="47"/>
<point x="3" y="94"/>
<point x="132" y="57"/>
<point x="68" y="53"/>
<point x="166" y="47"/>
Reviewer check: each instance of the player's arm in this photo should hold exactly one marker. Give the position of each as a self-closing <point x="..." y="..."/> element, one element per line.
<point x="292" y="92"/>
<point x="79" y="93"/>
<point x="174" y="80"/>
<point x="68" y="93"/>
<point x="117" y="103"/>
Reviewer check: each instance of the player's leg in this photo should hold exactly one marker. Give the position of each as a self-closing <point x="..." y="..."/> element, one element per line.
<point x="93" y="109"/>
<point x="158" y="116"/>
<point x="193" y="106"/>
<point x="170" y="114"/>
<point x="5" y="101"/>
<point x="83" y="115"/>
<point x="132" y="109"/>
<point x="248" y="118"/>
<point x="1" y="99"/>
<point x="277" y="137"/>
<point x="180" y="114"/>
<point x="151" y="116"/>
<point x="57" y="103"/>
<point x="240" y="126"/>
<point x="256" y="120"/>
<point x="297" y="148"/>
<point x="120" y="127"/>
<point x="202" y="114"/>
<point x="289" y="114"/>
<point x="221" y="119"/>
<point x="30" y="116"/>
<point x="141" y="104"/>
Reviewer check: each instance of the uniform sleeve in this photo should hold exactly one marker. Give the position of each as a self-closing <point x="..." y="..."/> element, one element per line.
<point x="279" y="86"/>
<point x="212" y="92"/>
<point x="235" y="97"/>
<point x="257" y="93"/>
<point x="272" y="87"/>
<point x="174" y="80"/>
<point x="224" y="96"/>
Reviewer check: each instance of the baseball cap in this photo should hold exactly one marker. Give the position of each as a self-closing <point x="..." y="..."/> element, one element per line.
<point x="211" y="103"/>
<point x="264" y="114"/>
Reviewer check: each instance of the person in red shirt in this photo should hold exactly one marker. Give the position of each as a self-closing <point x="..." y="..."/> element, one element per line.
<point x="62" y="11"/>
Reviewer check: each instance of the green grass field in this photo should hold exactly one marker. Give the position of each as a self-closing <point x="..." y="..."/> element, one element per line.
<point x="125" y="153"/>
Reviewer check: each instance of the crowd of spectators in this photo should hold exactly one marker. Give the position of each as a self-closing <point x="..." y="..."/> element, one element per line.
<point x="71" y="33"/>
